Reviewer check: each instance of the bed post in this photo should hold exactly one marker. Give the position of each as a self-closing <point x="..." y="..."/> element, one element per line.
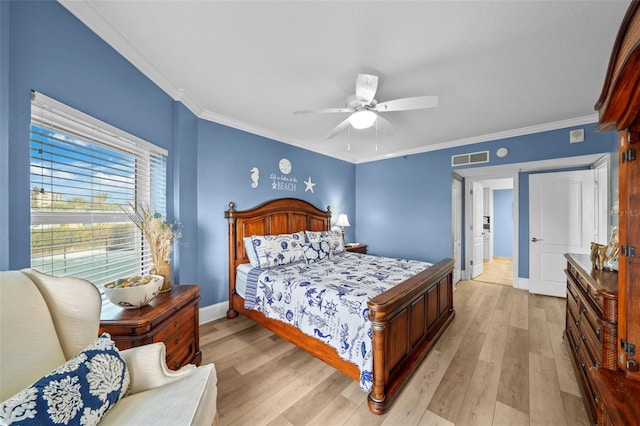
<point x="377" y="399"/>
<point x="231" y="313"/>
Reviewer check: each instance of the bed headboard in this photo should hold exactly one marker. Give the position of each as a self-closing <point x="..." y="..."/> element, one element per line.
<point x="279" y="216"/>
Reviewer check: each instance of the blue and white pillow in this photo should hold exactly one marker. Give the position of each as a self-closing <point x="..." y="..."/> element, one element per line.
<point x="281" y="249"/>
<point x="315" y="252"/>
<point x="333" y="237"/>
<point x="80" y="392"/>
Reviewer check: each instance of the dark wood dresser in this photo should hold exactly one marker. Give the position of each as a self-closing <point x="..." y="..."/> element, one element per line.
<point x="591" y="323"/>
<point x="172" y="318"/>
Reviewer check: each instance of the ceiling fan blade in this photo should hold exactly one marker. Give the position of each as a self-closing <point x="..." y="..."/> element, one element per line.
<point x="366" y="87"/>
<point x="383" y="124"/>
<point x="405" y="104"/>
<point x="340" y="127"/>
<point x="323" y="110"/>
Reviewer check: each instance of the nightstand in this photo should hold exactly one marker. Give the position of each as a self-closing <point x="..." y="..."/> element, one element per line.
<point x="171" y="317"/>
<point x="357" y="248"/>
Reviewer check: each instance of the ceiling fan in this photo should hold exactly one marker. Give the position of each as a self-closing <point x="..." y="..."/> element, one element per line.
<point x="365" y="110"/>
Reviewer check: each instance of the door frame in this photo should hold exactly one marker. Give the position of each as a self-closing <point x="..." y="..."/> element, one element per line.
<point x="457" y="217"/>
<point x="468" y="235"/>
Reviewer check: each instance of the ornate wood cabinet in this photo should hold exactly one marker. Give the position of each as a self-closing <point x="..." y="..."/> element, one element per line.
<point x="619" y="110"/>
<point x="591" y="328"/>
<point x="172" y="318"/>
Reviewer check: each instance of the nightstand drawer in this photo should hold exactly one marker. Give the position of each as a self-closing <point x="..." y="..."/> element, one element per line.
<point x="173" y="324"/>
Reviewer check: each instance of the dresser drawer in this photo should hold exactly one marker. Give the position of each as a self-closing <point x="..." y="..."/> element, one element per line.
<point x="573" y="337"/>
<point x="590" y="391"/>
<point x="573" y="305"/>
<point x="592" y="348"/>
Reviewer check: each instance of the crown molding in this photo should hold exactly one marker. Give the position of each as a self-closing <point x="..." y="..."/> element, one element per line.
<point x="539" y="128"/>
<point x="95" y="21"/>
<point x="260" y="131"/>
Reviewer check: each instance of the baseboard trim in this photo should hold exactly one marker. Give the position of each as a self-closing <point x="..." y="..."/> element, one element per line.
<point x="523" y="284"/>
<point x="213" y="312"/>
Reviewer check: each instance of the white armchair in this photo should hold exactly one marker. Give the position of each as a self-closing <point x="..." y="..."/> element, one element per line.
<point x="45" y="321"/>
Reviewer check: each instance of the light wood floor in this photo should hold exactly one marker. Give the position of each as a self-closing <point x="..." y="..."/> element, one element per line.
<point x="502" y="361"/>
<point x="497" y="271"/>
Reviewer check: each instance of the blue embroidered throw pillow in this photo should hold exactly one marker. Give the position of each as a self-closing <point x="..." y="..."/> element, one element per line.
<point x="333" y="237"/>
<point x="80" y="392"/>
<point x="316" y="252"/>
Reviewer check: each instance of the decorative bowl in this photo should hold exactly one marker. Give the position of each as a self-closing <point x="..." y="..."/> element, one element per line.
<point x="133" y="296"/>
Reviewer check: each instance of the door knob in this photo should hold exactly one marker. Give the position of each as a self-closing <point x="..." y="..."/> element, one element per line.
<point x="535" y="240"/>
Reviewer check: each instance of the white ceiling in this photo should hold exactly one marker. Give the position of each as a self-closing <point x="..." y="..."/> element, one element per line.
<point x="500" y="68"/>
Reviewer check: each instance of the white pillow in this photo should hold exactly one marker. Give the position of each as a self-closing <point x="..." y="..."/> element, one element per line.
<point x="251" y="251"/>
<point x="333" y="237"/>
<point x="281" y="249"/>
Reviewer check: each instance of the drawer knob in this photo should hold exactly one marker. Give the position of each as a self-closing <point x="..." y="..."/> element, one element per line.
<point x="583" y="337"/>
<point x="598" y="332"/>
<point x="176" y="323"/>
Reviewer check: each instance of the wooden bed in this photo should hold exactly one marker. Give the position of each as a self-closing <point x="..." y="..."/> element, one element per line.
<point x="406" y="320"/>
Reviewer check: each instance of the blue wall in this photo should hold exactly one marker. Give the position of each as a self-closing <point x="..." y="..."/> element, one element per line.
<point x="404" y="204"/>
<point x="45" y="48"/>
<point x="225" y="159"/>
<point x="4" y="134"/>
<point x="502" y="222"/>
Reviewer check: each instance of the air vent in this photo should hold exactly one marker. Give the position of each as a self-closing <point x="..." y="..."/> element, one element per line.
<point x="471" y="158"/>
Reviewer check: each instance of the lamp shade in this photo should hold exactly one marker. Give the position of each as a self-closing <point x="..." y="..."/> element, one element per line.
<point x="362" y="119"/>
<point x="343" y="220"/>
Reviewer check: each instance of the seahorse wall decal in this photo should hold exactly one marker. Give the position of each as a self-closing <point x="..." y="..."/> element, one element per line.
<point x="255" y="176"/>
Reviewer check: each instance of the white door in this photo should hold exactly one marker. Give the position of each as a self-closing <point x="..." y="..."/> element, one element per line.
<point x="457" y="229"/>
<point x="476" y="229"/>
<point x="561" y="220"/>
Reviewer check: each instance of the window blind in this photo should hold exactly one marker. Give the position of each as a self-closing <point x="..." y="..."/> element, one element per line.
<point x="83" y="173"/>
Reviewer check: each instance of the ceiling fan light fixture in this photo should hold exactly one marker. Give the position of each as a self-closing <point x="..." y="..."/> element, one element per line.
<point x="362" y="119"/>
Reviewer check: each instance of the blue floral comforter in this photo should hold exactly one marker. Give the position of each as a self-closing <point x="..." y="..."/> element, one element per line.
<point x="328" y="299"/>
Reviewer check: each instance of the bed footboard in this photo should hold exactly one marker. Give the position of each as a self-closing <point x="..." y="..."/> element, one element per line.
<point x="407" y="320"/>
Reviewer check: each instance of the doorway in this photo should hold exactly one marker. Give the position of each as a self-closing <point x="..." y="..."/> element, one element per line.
<point x="497" y="223"/>
<point x="521" y="278"/>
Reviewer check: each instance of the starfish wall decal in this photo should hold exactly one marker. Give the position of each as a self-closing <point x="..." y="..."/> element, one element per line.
<point x="309" y="185"/>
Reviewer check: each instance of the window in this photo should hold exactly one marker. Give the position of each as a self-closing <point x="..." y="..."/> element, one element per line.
<point x="83" y="173"/>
